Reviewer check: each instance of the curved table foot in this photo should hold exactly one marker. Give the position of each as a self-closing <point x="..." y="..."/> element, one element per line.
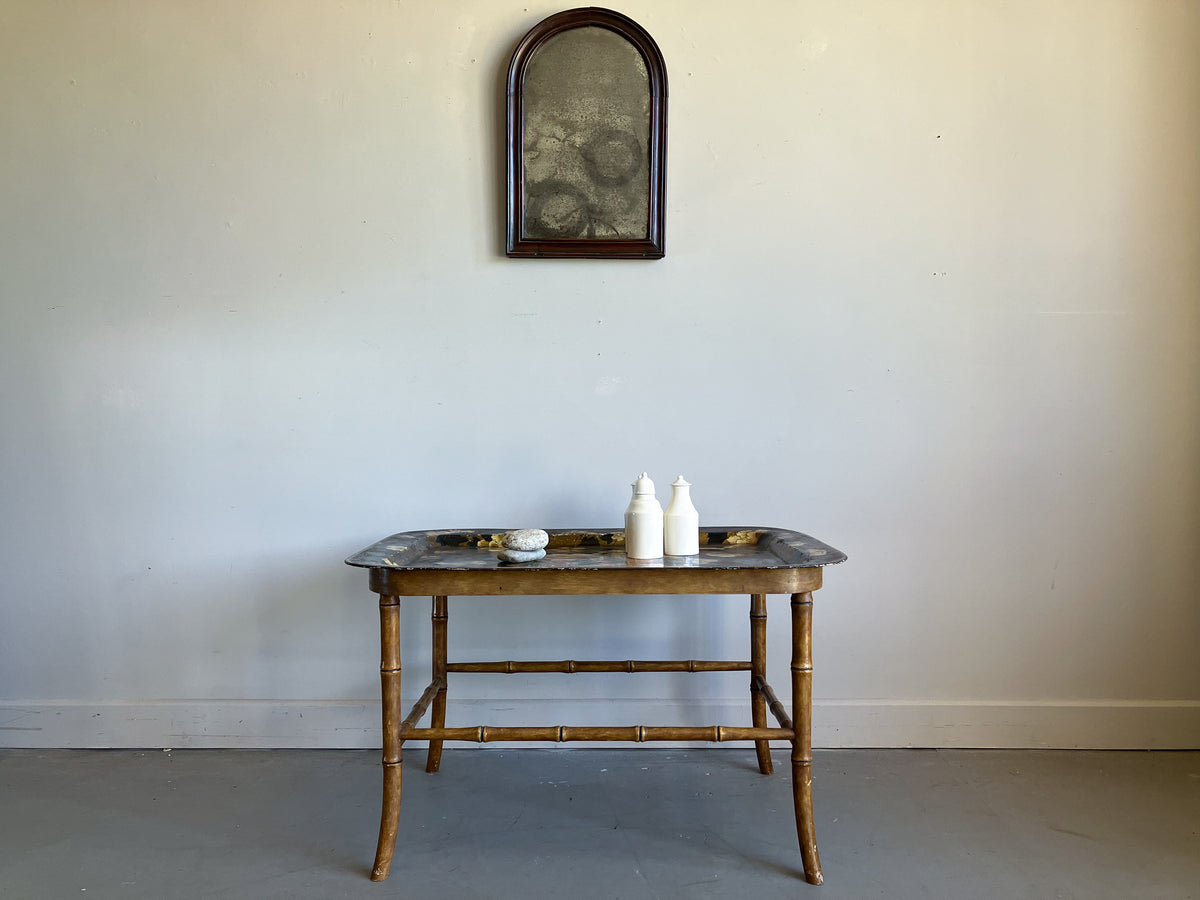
<point x="762" y="748"/>
<point x="389" y="820"/>
<point x="806" y="832"/>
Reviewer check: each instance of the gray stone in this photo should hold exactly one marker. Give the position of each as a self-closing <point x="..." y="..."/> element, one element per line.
<point x="520" y="556"/>
<point x="525" y="539"/>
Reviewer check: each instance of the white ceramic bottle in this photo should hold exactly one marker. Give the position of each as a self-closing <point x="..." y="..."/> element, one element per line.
<point x="643" y="522"/>
<point x="681" y="522"/>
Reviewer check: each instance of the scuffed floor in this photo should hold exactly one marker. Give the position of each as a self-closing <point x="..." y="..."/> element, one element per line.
<point x="580" y="824"/>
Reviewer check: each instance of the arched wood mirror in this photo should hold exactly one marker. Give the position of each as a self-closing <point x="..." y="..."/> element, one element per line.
<point x="587" y="129"/>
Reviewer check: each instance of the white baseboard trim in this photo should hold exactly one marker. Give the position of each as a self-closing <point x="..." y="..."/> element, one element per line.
<point x="1081" y="725"/>
<point x="260" y="724"/>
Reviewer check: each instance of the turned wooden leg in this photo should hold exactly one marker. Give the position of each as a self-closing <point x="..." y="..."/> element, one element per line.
<point x="802" y="742"/>
<point x="758" y="670"/>
<point x="389" y="675"/>
<point x="440" y="616"/>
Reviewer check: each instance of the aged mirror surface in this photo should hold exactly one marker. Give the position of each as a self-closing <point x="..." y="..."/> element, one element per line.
<point x="586" y="139"/>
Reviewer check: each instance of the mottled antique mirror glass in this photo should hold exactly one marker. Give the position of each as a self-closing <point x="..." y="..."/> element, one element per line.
<point x="587" y="107"/>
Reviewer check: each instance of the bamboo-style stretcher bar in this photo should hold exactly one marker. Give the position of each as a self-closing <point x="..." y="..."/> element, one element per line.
<point x="563" y="733"/>
<point x="570" y="666"/>
<point x="482" y="734"/>
<point x="418" y="710"/>
<point x="777" y="709"/>
<point x="753" y="561"/>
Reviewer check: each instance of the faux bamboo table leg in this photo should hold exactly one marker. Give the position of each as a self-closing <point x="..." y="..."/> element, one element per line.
<point x="393" y="759"/>
<point x="758" y="670"/>
<point x="440" y="617"/>
<point x="802" y="742"/>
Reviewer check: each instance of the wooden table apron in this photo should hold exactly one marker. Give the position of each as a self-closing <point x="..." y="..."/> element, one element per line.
<point x="442" y="564"/>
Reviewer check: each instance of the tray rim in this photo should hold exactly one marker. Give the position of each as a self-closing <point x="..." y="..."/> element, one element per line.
<point x="783" y="549"/>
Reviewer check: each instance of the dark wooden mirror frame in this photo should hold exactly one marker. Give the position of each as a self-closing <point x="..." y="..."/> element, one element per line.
<point x="650" y="247"/>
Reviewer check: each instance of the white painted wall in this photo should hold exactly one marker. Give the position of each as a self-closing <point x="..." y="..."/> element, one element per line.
<point x="932" y="283"/>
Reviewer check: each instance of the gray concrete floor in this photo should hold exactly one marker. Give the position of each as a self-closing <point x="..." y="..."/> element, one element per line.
<point x="582" y="824"/>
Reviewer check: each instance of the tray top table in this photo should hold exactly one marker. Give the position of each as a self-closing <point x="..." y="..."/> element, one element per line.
<point x="743" y="560"/>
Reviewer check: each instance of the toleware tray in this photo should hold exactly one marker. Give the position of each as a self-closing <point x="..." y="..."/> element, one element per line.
<point x="476" y="549"/>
